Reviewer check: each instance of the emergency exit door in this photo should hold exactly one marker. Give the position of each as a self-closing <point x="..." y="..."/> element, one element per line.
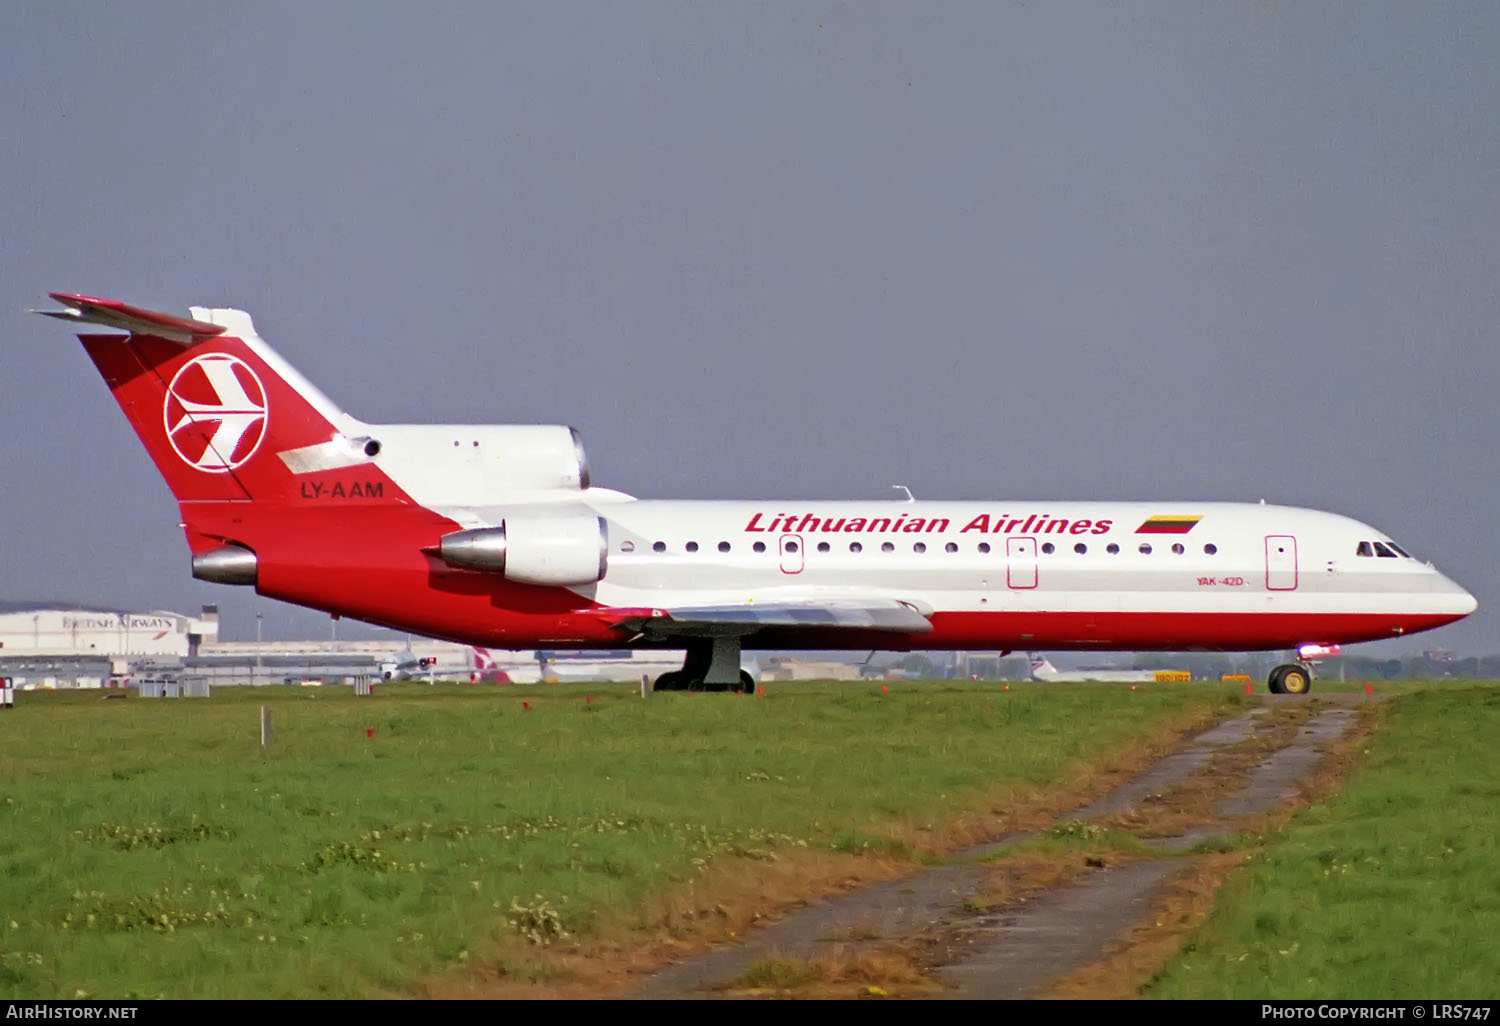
<point x="1020" y="562"/>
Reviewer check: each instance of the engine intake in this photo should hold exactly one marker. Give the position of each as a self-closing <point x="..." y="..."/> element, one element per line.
<point x="565" y="550"/>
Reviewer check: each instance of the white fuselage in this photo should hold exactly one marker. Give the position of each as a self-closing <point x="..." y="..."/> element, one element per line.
<point x="1090" y="568"/>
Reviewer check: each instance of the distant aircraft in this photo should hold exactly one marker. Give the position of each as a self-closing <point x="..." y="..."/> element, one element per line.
<point x="406" y="666"/>
<point x="477" y="666"/>
<point x="1043" y="670"/>
<point x="487" y="671"/>
<point x="493" y="536"/>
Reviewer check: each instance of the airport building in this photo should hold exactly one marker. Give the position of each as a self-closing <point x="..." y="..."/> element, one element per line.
<point x="43" y="646"/>
<point x="106" y="634"/>
<point x="48" y="647"/>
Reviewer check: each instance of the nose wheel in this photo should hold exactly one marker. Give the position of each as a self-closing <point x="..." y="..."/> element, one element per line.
<point x="1290" y="679"/>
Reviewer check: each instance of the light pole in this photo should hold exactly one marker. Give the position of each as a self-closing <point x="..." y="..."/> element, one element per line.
<point x="257" y="647"/>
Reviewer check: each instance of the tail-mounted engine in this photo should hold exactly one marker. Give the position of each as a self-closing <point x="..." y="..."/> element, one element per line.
<point x="566" y="550"/>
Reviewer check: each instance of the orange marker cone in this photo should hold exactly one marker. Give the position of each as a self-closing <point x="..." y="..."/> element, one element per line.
<point x="526" y="706"/>
<point x="884" y="689"/>
<point x="762" y="692"/>
<point x="1369" y="689"/>
<point x="1249" y="687"/>
<point x="369" y="732"/>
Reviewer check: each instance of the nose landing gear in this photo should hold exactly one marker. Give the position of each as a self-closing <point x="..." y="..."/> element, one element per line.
<point x="1290" y="679"/>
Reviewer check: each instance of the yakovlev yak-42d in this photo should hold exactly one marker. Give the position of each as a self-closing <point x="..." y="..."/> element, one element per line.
<point x="493" y="536"/>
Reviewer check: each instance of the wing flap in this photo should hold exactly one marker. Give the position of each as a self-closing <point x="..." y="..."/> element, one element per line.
<point x="742" y="619"/>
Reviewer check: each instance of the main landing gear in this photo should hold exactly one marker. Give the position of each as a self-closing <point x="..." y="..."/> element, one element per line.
<point x="712" y="664"/>
<point x="1290" y="679"/>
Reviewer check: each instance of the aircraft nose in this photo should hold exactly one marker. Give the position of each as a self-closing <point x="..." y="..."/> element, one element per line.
<point x="1456" y="597"/>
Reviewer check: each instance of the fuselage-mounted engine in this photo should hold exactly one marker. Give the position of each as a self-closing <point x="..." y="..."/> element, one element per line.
<point x="564" y="550"/>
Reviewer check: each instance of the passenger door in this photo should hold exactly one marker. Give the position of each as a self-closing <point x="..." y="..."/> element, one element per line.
<point x="1281" y="562"/>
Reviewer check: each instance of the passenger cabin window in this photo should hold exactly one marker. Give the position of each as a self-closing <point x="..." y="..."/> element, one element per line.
<point x="1210" y="549"/>
<point x="1145" y="548"/>
<point x="659" y="547"/>
<point x="984" y="546"/>
<point x="1047" y="548"/>
<point x="1112" y="549"/>
<point x="856" y="547"/>
<point x="1080" y="548"/>
<point x="759" y="546"/>
<point x="823" y="546"/>
<point x="919" y="547"/>
<point x="723" y="546"/>
<point x="692" y="546"/>
<point x="627" y="546"/>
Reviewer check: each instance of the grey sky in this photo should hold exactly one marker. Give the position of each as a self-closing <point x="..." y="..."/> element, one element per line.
<point x="1208" y="250"/>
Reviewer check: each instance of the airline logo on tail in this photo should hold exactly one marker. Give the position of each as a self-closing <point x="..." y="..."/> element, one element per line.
<point x="215" y="413"/>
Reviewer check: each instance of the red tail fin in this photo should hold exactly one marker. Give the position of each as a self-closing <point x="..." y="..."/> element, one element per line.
<point x="224" y="417"/>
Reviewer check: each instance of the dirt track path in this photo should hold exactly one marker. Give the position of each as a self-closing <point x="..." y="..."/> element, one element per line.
<point x="940" y="922"/>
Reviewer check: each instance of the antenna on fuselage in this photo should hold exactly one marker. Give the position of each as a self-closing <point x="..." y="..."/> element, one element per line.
<point x="909" y="496"/>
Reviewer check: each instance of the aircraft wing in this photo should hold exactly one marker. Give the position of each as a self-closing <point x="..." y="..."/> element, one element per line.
<point x="746" y="618"/>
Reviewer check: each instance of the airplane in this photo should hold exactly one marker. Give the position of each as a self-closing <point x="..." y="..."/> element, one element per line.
<point x="407" y="666"/>
<point x="478" y="665"/>
<point x="494" y="536"/>
<point x="1043" y="670"/>
<point x="487" y="668"/>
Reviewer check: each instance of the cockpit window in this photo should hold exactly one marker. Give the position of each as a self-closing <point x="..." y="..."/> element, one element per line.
<point x="1364" y="550"/>
<point x="1382" y="551"/>
<point x="1399" y="550"/>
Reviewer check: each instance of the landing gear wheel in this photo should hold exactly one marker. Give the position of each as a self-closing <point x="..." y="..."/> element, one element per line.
<point x="1295" y="680"/>
<point x="747" y="683"/>
<point x="1274" y="681"/>
<point x="709" y="664"/>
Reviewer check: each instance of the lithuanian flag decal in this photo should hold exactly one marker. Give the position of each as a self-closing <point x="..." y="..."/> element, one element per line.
<point x="1168" y="525"/>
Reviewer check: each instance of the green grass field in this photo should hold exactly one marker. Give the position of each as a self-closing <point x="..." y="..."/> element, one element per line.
<point x="149" y="847"/>
<point x="1390" y="889"/>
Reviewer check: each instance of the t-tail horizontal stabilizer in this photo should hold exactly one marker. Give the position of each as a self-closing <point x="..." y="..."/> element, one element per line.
<point x="114" y="314"/>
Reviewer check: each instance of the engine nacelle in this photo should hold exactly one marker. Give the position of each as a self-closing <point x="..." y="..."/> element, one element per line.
<point x="567" y="550"/>
<point x="476" y="464"/>
<point x="228" y="564"/>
